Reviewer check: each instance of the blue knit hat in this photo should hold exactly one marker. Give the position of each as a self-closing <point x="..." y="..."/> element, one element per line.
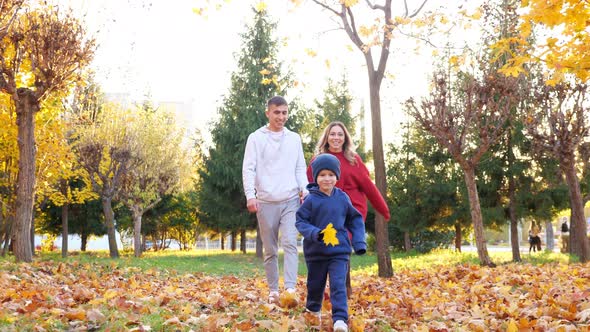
<point x="325" y="161"/>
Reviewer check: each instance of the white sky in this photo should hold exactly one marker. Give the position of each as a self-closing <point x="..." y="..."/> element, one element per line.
<point x="161" y="47"/>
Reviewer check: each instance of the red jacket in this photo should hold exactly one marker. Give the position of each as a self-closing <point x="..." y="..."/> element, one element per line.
<point x="355" y="181"/>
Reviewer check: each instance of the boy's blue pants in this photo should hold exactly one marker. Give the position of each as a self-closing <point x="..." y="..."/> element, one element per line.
<point x="317" y="273"/>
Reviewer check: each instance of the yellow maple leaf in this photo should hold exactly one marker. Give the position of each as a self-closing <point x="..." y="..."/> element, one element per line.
<point x="330" y="235"/>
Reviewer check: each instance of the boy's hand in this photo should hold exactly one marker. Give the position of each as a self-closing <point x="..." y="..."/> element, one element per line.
<point x="320" y="236"/>
<point x="361" y="252"/>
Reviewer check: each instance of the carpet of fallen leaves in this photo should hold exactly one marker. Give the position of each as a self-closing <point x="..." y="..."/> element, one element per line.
<point x="46" y="296"/>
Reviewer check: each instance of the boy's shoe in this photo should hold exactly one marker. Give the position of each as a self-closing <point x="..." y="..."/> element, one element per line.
<point x="340" y="326"/>
<point x="313" y="319"/>
<point x="273" y="297"/>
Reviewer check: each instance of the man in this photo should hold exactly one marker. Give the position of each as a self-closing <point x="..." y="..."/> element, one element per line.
<point x="274" y="179"/>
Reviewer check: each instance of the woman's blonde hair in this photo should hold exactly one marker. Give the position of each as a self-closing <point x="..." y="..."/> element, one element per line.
<point x="348" y="147"/>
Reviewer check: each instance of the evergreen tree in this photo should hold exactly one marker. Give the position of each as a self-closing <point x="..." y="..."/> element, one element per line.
<point x="428" y="194"/>
<point x="84" y="219"/>
<point x="222" y="204"/>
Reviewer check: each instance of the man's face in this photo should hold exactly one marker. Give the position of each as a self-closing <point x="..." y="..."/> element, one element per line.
<point x="277" y="116"/>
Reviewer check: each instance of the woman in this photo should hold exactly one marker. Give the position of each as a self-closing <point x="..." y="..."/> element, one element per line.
<point x="354" y="176"/>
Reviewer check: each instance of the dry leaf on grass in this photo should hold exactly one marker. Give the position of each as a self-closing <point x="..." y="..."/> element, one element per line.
<point x="513" y="297"/>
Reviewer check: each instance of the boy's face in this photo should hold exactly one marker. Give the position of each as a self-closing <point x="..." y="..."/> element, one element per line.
<point x="277" y="116"/>
<point x="326" y="180"/>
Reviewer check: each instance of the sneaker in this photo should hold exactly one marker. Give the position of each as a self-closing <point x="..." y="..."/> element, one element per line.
<point x="313" y="319"/>
<point x="273" y="297"/>
<point x="340" y="326"/>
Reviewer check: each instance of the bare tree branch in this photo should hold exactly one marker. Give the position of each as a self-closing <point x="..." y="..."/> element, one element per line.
<point x="374" y="6"/>
<point x="335" y="12"/>
<point x="416" y="11"/>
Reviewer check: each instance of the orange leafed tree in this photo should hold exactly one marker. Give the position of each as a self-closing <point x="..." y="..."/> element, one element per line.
<point x="41" y="52"/>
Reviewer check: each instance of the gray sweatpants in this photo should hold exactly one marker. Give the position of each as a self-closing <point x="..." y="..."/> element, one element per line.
<point x="275" y="218"/>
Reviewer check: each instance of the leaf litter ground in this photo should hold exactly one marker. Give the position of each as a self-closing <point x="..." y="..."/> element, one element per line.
<point x="54" y="296"/>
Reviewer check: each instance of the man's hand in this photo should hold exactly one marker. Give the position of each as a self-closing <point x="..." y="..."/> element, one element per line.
<point x="302" y="195"/>
<point x="252" y="205"/>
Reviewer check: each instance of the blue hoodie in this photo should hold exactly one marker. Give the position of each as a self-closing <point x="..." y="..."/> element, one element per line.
<point x="317" y="211"/>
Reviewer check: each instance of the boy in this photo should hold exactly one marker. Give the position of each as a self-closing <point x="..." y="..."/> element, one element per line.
<point x="324" y="219"/>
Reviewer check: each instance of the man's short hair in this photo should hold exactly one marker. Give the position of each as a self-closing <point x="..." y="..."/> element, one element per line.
<point x="277" y="101"/>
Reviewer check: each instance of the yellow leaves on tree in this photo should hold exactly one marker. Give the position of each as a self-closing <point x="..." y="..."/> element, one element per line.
<point x="566" y="51"/>
<point x="349" y="3"/>
<point x="261" y="6"/>
<point x="330" y="235"/>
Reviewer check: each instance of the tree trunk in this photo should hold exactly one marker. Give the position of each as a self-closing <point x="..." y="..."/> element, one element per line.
<point x="549" y="236"/>
<point x="579" y="244"/>
<point x="3" y="230"/>
<point x="137" y="214"/>
<point x="222" y="240"/>
<point x="458" y="237"/>
<point x="83" y="242"/>
<point x="381" y="230"/>
<point x="259" y="253"/>
<point x="109" y="217"/>
<point x="234" y="240"/>
<point x="407" y="241"/>
<point x="64" y="230"/>
<point x="7" y="235"/>
<point x="26" y="107"/>
<point x="32" y="232"/>
<point x="514" y="240"/>
<point x="143" y="239"/>
<point x="243" y="241"/>
<point x="476" y="217"/>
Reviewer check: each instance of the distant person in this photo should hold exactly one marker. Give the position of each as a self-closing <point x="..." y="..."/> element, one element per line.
<point x="274" y="180"/>
<point x="354" y="179"/>
<point x="534" y="238"/>
<point x="565" y="236"/>
<point x="325" y="220"/>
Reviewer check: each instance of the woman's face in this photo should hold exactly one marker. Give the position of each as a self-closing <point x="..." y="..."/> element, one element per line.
<point x="336" y="139"/>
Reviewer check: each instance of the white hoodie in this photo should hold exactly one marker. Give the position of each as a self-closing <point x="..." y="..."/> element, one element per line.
<point x="274" y="167"/>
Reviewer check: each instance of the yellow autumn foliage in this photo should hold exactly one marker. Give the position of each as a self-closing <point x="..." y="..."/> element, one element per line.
<point x="567" y="49"/>
<point x="448" y="297"/>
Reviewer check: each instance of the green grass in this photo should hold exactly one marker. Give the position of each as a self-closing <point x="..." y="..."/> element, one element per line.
<point x="220" y="263"/>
